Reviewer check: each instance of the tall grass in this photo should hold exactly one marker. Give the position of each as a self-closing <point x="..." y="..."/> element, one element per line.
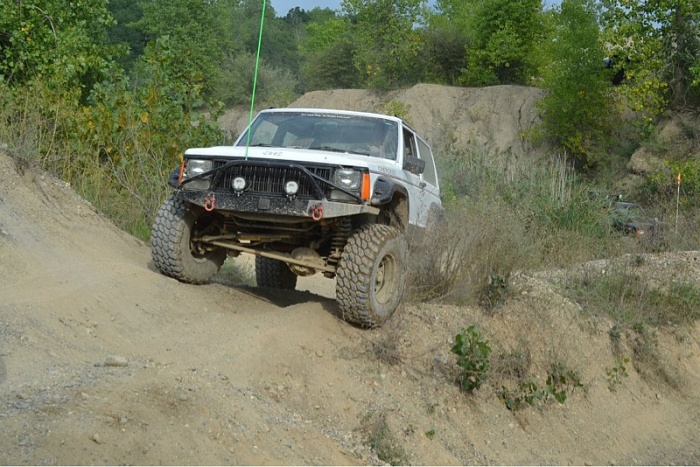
<point x="505" y="214"/>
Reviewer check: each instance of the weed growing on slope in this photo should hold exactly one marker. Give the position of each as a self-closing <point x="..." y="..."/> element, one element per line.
<point x="378" y="435"/>
<point x="617" y="373"/>
<point x="473" y="358"/>
<point x="560" y="382"/>
<point x="638" y="307"/>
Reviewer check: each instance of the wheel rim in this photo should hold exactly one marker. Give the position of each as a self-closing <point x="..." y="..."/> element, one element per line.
<point x="385" y="279"/>
<point x="203" y="225"/>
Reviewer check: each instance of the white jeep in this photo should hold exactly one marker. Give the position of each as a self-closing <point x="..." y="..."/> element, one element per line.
<point x="305" y="190"/>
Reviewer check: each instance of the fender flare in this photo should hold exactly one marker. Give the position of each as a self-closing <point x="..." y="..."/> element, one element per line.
<point x="384" y="191"/>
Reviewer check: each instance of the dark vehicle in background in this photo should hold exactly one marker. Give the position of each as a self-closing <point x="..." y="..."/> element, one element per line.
<point x="630" y="219"/>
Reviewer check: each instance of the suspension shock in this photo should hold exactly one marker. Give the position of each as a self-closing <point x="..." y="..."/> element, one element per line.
<point x="340" y="238"/>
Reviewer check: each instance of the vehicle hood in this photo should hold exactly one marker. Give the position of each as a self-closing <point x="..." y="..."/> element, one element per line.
<point x="292" y="155"/>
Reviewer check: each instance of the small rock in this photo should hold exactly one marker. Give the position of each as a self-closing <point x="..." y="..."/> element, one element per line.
<point x="96" y="438"/>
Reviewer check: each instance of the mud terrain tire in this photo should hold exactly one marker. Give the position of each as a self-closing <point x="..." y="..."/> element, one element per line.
<point x="171" y="247"/>
<point x="274" y="274"/>
<point x="371" y="275"/>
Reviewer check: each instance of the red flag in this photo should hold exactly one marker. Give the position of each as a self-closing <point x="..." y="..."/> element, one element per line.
<point x="679" y="178"/>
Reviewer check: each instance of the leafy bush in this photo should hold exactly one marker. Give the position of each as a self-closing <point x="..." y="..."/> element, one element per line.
<point x="473" y="358"/>
<point x="560" y="383"/>
<point x="495" y="293"/>
<point x="233" y="82"/>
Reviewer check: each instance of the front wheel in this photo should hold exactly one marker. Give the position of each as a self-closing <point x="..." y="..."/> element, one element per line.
<point x="174" y="248"/>
<point x="371" y="275"/>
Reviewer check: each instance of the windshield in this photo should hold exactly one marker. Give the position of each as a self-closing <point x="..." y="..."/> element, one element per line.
<point x="371" y="136"/>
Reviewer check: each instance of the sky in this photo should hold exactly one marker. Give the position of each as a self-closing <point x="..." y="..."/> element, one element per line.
<point x="283" y="6"/>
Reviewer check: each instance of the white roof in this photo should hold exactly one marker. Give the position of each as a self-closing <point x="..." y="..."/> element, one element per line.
<point x="331" y="111"/>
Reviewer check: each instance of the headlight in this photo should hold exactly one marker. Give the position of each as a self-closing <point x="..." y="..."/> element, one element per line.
<point x="349" y="179"/>
<point x="197" y="167"/>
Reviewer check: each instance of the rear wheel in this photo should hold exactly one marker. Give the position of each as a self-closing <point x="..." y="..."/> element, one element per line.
<point x="274" y="274"/>
<point x="174" y="248"/>
<point x="371" y="275"/>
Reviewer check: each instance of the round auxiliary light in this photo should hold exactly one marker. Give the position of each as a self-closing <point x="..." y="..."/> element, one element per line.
<point x="291" y="188"/>
<point x="238" y="184"/>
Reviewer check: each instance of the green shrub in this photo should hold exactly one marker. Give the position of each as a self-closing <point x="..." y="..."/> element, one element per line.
<point x="617" y="373"/>
<point x="494" y="294"/>
<point x="473" y="358"/>
<point x="559" y="384"/>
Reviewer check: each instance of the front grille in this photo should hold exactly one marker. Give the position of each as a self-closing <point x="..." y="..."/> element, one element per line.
<point x="270" y="179"/>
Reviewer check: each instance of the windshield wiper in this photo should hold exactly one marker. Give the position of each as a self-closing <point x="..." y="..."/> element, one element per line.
<point x="332" y="149"/>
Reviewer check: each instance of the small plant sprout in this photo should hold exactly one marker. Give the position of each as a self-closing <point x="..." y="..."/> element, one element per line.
<point x="617" y="373"/>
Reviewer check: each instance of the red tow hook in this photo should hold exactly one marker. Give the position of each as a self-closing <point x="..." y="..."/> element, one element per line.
<point x="209" y="203"/>
<point x="317" y="212"/>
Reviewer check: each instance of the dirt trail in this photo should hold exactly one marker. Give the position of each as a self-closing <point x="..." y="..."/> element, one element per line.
<point x="105" y="361"/>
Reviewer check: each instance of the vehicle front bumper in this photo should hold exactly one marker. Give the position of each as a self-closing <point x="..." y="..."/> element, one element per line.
<point x="266" y="205"/>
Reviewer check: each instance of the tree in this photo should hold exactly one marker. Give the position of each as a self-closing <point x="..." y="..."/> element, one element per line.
<point x="199" y="32"/>
<point x="61" y="43"/>
<point x="328" y="49"/>
<point x="446" y="40"/>
<point x="503" y="35"/>
<point x="578" y="106"/>
<point x="388" y="41"/>
<point x="126" y="13"/>
<point x="659" y="43"/>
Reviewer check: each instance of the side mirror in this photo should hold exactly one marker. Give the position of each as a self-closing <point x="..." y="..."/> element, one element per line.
<point x="414" y="165"/>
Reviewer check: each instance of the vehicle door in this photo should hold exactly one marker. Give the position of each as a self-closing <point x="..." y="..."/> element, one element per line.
<point x="423" y="188"/>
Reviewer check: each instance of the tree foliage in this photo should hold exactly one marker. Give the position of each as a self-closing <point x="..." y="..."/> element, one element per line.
<point x="387" y="40"/>
<point x="198" y="32"/>
<point x="126" y="14"/>
<point x="328" y="50"/>
<point x="61" y="43"/>
<point x="446" y="40"/>
<point x="658" y="43"/>
<point x="503" y="35"/>
<point x="578" y="105"/>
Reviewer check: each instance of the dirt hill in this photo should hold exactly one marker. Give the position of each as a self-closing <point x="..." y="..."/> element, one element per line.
<point x="491" y="118"/>
<point x="105" y="361"/>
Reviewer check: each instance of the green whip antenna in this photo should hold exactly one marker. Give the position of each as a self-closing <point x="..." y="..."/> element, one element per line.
<point x="255" y="77"/>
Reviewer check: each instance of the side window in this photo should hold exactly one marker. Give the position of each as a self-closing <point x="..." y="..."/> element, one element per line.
<point x="429" y="174"/>
<point x="409" y="143"/>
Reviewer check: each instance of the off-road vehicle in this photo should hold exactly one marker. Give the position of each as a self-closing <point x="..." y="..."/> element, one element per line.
<point x="305" y="190"/>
